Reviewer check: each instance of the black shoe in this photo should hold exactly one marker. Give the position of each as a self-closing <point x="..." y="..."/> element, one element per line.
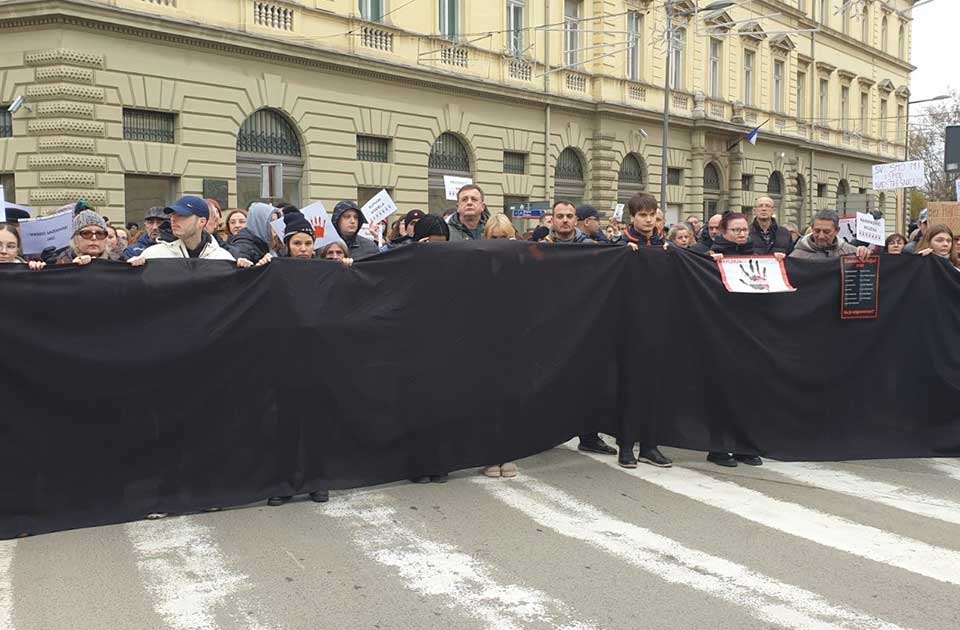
<point x="749" y="460"/>
<point x="211" y="509"/>
<point x="275" y="501"/>
<point x="626" y="458"/>
<point x="652" y="455"/>
<point x="439" y="478"/>
<point x="421" y="479"/>
<point x="722" y="459"/>
<point x="320" y="496"/>
<point x="596" y="446"/>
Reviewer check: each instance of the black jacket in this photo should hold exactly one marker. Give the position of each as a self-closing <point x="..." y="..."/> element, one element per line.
<point x="630" y="235"/>
<point x="246" y="244"/>
<point x="727" y="248"/>
<point x="359" y="246"/>
<point x="776" y="241"/>
<point x="704" y="242"/>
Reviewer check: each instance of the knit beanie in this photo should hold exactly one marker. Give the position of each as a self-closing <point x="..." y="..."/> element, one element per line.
<point x="294" y="222"/>
<point x="430" y="225"/>
<point x="88" y="218"/>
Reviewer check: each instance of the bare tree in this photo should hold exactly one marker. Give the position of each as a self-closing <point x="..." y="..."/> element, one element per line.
<point x="926" y="143"/>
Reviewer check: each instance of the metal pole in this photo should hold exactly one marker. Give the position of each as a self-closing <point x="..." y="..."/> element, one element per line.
<point x="906" y="158"/>
<point x="666" y="110"/>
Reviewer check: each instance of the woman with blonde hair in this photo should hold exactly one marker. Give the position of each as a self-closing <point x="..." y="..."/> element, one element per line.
<point x="939" y="241"/>
<point x="500" y="227"/>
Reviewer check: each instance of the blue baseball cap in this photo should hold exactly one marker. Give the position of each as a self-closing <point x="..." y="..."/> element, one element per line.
<point x="189" y="206"/>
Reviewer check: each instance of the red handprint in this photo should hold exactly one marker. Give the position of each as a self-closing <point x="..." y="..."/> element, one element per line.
<point x="319" y="226"/>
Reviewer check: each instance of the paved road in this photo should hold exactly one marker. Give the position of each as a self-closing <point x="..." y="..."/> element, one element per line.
<point x="574" y="542"/>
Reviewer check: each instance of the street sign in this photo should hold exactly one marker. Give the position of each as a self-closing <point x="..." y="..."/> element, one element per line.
<point x="529" y="210"/>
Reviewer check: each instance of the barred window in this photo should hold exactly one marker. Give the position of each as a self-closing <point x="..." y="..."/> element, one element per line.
<point x="6" y="123"/>
<point x="267" y="132"/>
<point x="569" y="166"/>
<point x="746" y="182"/>
<point x="674" y="175"/>
<point x="775" y="184"/>
<point x="449" y="154"/>
<point x="631" y="171"/>
<point x="711" y="177"/>
<point x="373" y="149"/>
<point x="515" y="163"/>
<point x="148" y="126"/>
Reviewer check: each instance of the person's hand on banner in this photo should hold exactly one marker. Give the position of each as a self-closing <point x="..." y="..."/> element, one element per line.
<point x="634" y="247"/>
<point x="779" y="255"/>
<point x="137" y="261"/>
<point x="83" y="259"/>
<point x="925" y="252"/>
<point x="36" y="265"/>
<point x="863" y="253"/>
<point x="716" y="256"/>
<point x="243" y="263"/>
<point x="346" y="262"/>
<point x="265" y="260"/>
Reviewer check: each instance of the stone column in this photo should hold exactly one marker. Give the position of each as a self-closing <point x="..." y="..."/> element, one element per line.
<point x="697" y="154"/>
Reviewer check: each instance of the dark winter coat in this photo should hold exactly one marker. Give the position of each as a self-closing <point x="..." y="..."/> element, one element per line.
<point x="775" y="241"/>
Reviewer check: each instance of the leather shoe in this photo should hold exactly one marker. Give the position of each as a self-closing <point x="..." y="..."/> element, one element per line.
<point x="652" y="455"/>
<point x="722" y="459"/>
<point x="597" y="446"/>
<point x="749" y="460"/>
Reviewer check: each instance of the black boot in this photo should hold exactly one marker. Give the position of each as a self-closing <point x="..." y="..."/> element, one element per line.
<point x="320" y="496"/>
<point x="626" y="458"/>
<point x="275" y="501"/>
<point x="722" y="459"/>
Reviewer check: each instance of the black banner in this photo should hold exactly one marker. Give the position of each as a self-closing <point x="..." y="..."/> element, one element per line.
<point x="188" y="384"/>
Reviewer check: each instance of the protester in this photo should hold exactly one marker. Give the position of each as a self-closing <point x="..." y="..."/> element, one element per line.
<point x="588" y="220"/>
<point x="612" y="233"/>
<point x="695" y="223"/>
<point x="680" y="235"/>
<point x="917" y="235"/>
<point x="151" y="231"/>
<point x="540" y="232"/>
<point x="347" y="220"/>
<point x="734" y="238"/>
<point x="894" y="244"/>
<point x="794" y="234"/>
<point x="768" y="237"/>
<point x="216" y="220"/>
<point x="546" y="220"/>
<point x="471" y="217"/>
<point x="188" y="220"/>
<point x="500" y="227"/>
<point x="133" y="227"/>
<point x="298" y="237"/>
<point x="707" y="235"/>
<point x="337" y="250"/>
<point x="123" y="240"/>
<point x="938" y="240"/>
<point x="565" y="228"/>
<point x="11" y="249"/>
<point x="235" y="221"/>
<point x="823" y="241"/>
<point x="255" y="239"/>
<point x="661" y="223"/>
<point x="431" y="229"/>
<point x="405" y="235"/>
<point x="89" y="240"/>
<point x="642" y="231"/>
<point x="114" y="248"/>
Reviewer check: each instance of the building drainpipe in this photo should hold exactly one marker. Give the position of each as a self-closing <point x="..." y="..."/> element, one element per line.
<point x="546" y="107"/>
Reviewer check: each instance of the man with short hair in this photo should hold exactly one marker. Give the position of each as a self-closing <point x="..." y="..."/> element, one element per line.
<point x="917" y="236"/>
<point x="565" y="228"/>
<point x="642" y="231"/>
<point x="696" y="223"/>
<point x="588" y="220"/>
<point x="546" y="220"/>
<point x="347" y="219"/>
<point x="151" y="226"/>
<point x="707" y="235"/>
<point x="470" y="219"/>
<point x="823" y="242"/>
<point x="768" y="237"/>
<point x="188" y="220"/>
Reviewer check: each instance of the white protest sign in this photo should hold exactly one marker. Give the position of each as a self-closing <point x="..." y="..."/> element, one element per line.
<point x="956" y="183"/>
<point x="3" y="206"/>
<point x="870" y="230"/>
<point x="323" y="229"/>
<point x="379" y="208"/>
<point x="54" y="231"/>
<point x="746" y="274"/>
<point x="453" y="185"/>
<point x="848" y="229"/>
<point x="618" y="212"/>
<point x="899" y="175"/>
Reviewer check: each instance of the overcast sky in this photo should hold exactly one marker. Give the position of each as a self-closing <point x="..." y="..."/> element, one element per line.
<point x="935" y="33"/>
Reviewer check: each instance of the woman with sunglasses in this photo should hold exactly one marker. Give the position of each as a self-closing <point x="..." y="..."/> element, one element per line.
<point x="89" y="239"/>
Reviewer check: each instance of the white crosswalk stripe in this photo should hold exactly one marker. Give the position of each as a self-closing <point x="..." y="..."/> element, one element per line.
<point x="186" y="572"/>
<point x="443" y="570"/>
<point x="803" y="522"/>
<point x="6" y="583"/>
<point x="766" y="598"/>
<point x="948" y="466"/>
<point x="893" y="495"/>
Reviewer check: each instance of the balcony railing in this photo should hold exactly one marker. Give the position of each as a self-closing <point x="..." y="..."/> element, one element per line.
<point x="376" y="38"/>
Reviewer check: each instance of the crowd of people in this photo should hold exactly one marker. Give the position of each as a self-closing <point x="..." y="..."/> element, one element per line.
<point x="193" y="227"/>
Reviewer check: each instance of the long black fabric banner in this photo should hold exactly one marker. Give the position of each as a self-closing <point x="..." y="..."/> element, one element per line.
<point x="184" y="385"/>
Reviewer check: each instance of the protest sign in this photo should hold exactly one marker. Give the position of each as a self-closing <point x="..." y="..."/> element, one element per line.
<point x="848" y="229"/>
<point x="3" y="206"/>
<point x="379" y="208"/>
<point x="323" y="229"/>
<point x="870" y="230"/>
<point x="956" y="183"/>
<point x="898" y="175"/>
<point x="453" y="185"/>
<point x="52" y="231"/>
<point x="754" y="274"/>
<point x="618" y="212"/>
<point x="860" y="284"/>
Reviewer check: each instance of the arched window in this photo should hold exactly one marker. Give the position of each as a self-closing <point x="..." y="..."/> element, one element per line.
<point x="448" y="156"/>
<point x="843" y="189"/>
<point x="569" y="177"/>
<point x="268" y="137"/>
<point x="902" y="42"/>
<point x="632" y="178"/>
<point x="801" y="194"/>
<point x="884" y="34"/>
<point x="712" y="185"/>
<point x="711" y="177"/>
<point x="775" y="185"/>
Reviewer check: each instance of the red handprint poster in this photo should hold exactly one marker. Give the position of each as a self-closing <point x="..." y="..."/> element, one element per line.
<point x="754" y="274"/>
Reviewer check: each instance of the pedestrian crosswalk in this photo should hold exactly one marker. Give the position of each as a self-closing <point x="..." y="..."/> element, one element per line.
<point x="573" y="543"/>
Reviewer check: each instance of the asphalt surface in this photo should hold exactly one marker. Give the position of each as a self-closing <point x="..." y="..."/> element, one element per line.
<point x="572" y="542"/>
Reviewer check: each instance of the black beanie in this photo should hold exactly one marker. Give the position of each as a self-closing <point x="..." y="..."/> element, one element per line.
<point x="293" y="222"/>
<point x="430" y="225"/>
<point x="540" y="233"/>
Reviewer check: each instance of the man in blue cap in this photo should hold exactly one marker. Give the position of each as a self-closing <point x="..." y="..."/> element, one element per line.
<point x="188" y="218"/>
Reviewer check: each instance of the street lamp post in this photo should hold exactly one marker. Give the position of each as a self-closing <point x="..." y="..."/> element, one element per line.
<point x="906" y="148"/>
<point x="719" y="5"/>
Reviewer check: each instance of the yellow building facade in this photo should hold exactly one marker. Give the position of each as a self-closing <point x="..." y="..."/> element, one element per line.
<point x="131" y="103"/>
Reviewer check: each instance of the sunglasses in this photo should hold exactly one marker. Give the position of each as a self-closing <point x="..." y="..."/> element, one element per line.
<point x="92" y="235"/>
